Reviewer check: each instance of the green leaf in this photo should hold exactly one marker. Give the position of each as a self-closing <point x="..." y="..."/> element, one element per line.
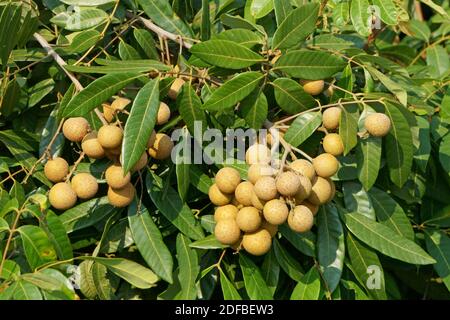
<point x="368" y="156"/>
<point x="38" y="248"/>
<point x="10" y="271"/>
<point x="228" y="290"/>
<point x="270" y="270"/>
<point x="57" y="235"/>
<point x="127" y="52"/>
<point x="357" y="199"/>
<point x="254" y="283"/>
<point x="348" y="127"/>
<point x="9" y="24"/>
<point x="360" y="14"/>
<point x="435" y="7"/>
<point x="282" y="9"/>
<point x="182" y="164"/>
<point x="438" y="245"/>
<point x="85" y="19"/>
<point x="388" y="11"/>
<point x="87" y="3"/>
<point x="129" y="66"/>
<point x="261" y="8"/>
<point x="189" y="268"/>
<point x="308" y="288"/>
<point x="303" y="127"/>
<point x="305" y="242"/>
<point x="422" y="142"/>
<point x="419" y="29"/>
<point x="444" y="153"/>
<point x="103" y="281"/>
<point x="254" y="109"/>
<point x="86" y="283"/>
<point x="291" y="97"/>
<point x="190" y="108"/>
<point x="3" y="225"/>
<point x="48" y="132"/>
<point x="147" y="43"/>
<point x="43" y="281"/>
<point x="390" y="84"/>
<point x="209" y="242"/>
<point x="329" y="41"/>
<point x="39" y="91"/>
<point x="289" y="265"/>
<point x="243" y="37"/>
<point x="437" y="61"/>
<point x="199" y="179"/>
<point x="26" y="291"/>
<point x="84" y="40"/>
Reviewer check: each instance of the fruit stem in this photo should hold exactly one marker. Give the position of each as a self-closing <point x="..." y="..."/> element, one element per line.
<point x="75" y="165"/>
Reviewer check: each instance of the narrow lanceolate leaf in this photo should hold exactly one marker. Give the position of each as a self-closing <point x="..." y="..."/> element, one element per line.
<point x="86" y="283"/>
<point x="348" y="127"/>
<point x="270" y="270"/>
<point x="133" y="66"/>
<point x="289" y="265"/>
<point x="228" y="290"/>
<point x="190" y="108"/>
<point x="385" y="240"/>
<point x="303" y="242"/>
<point x="357" y="199"/>
<point x="282" y="9"/>
<point x="104" y="281"/>
<point x="438" y="61"/>
<point x="209" y="242"/>
<point x="368" y="157"/>
<point x="303" y="127"/>
<point x="9" y="24"/>
<point x="255" y="285"/>
<point x="291" y="97"/>
<point x="438" y="245"/>
<point x="149" y="241"/>
<point x="444" y="153"/>
<point x="127" y="52"/>
<point x="37" y="246"/>
<point x="84" y="40"/>
<point x="147" y="43"/>
<point x="85" y="19"/>
<point x="311" y="65"/>
<point x="388" y="11"/>
<point x="254" y="109"/>
<point x="26" y="291"/>
<point x="183" y="173"/>
<point x="244" y="37"/>
<point x="308" y="288"/>
<point x="233" y="91"/>
<point x="96" y="93"/>
<point x="261" y="8"/>
<point x="189" y="268"/>
<point x="390" y="84"/>
<point x="226" y="54"/>
<point x="57" y="235"/>
<point x="140" y="124"/>
<point x="361" y="17"/>
<point x="87" y="3"/>
<point x="298" y="25"/>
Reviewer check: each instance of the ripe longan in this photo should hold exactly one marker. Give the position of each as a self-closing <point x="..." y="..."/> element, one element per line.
<point x="331" y="118"/>
<point x="62" y="196"/>
<point x="108" y="112"/>
<point x="304" y="168"/>
<point x="313" y="87"/>
<point x="321" y="191"/>
<point x="175" y="88"/>
<point x="74" y="129"/>
<point x="314" y="208"/>
<point x="227" y="179"/>
<point x="258" y="170"/>
<point x="332" y="144"/>
<point x="275" y="211"/>
<point x="227" y="231"/>
<point x="244" y="192"/>
<point x="325" y="165"/>
<point x="121" y="197"/>
<point x="110" y="136"/>
<point x="304" y="190"/>
<point x="288" y="183"/>
<point x="248" y="219"/>
<point x="56" y="169"/>
<point x="228" y="211"/>
<point x="377" y="124"/>
<point x="152" y="139"/>
<point x="217" y="197"/>
<point x="273" y="229"/>
<point x="92" y="147"/>
<point x="258" y="153"/>
<point x="257" y="243"/>
<point x="257" y="202"/>
<point x="162" y="148"/>
<point x="142" y="162"/>
<point x="116" y="177"/>
<point x="301" y="219"/>
<point x="120" y="103"/>
<point x="163" y="114"/>
<point x="266" y="188"/>
<point x="85" y="185"/>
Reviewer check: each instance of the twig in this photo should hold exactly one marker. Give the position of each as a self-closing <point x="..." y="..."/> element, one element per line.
<point x="75" y="165"/>
<point x="8" y="242"/>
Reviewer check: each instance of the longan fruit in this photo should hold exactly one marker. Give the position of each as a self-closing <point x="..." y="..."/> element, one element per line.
<point x="314" y="208"/>
<point x="273" y="229"/>
<point x="120" y="103"/>
<point x="332" y="144"/>
<point x="110" y="136"/>
<point x="304" y="168"/>
<point x="121" y="197"/>
<point x="266" y="188"/>
<point x="56" y="169"/>
<point x="321" y="191"/>
<point x="152" y="139"/>
<point x="248" y="219"/>
<point x="331" y="117"/>
<point x="162" y="148"/>
<point x="62" y="196"/>
<point x="163" y="114"/>
<point x="377" y="124"/>
<point x="92" y="147"/>
<point x="217" y="197"/>
<point x="301" y="219"/>
<point x="108" y="112"/>
<point x="275" y="211"/>
<point x="228" y="211"/>
<point x="74" y="129"/>
<point x="116" y="177"/>
<point x="304" y="190"/>
<point x="257" y="202"/>
<point x="227" y="231"/>
<point x="257" y="243"/>
<point x="258" y="153"/>
<point x="313" y="87"/>
<point x="85" y="185"/>
<point x="258" y="170"/>
<point x="142" y="162"/>
<point x="244" y="192"/>
<point x="288" y="183"/>
<point x="325" y="165"/>
<point x="227" y="179"/>
<point x="175" y="88"/>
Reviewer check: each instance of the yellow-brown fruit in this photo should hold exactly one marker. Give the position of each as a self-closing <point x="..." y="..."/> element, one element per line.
<point x="62" y="196"/>
<point x="175" y="88"/>
<point x="152" y="139"/>
<point x="110" y="136"/>
<point x="301" y="219"/>
<point x="244" y="192"/>
<point x="288" y="183"/>
<point x="227" y="179"/>
<point x="227" y="231"/>
<point x="56" y="169"/>
<point x="108" y="112"/>
<point x="275" y="211"/>
<point x="92" y="147"/>
<point x="248" y="219"/>
<point x="74" y="129"/>
<point x="121" y="197"/>
<point x="266" y="188"/>
<point x="321" y="191"/>
<point x="85" y="185"/>
<point x="314" y="208"/>
<point x="257" y="202"/>
<point x="304" y="168"/>
<point x="304" y="190"/>
<point x="258" y="170"/>
<point x="325" y="165"/>
<point x="377" y="124"/>
<point x="116" y="177"/>
<point x="236" y="203"/>
<point x="257" y="243"/>
<point x="332" y="144"/>
<point x="228" y="211"/>
<point x="313" y="87"/>
<point x="331" y="118"/>
<point x="217" y="197"/>
<point x="258" y="153"/>
<point x="163" y="114"/>
<point x="120" y="103"/>
<point x="142" y="162"/>
<point x="273" y="229"/>
<point x="111" y="156"/>
<point x="162" y="148"/>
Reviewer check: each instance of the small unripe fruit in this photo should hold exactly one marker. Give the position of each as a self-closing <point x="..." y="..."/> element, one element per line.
<point x="217" y="197"/>
<point x="248" y="219"/>
<point x="162" y="148"/>
<point x="74" y="129"/>
<point x="121" y="197"/>
<point x="116" y="177"/>
<point x="62" y="196"/>
<point x="331" y="118"/>
<point x="332" y="144"/>
<point x="321" y="191"/>
<point x="257" y="243"/>
<point x="163" y="114"/>
<point x="275" y="211"/>
<point x="258" y="170"/>
<point x="175" y="88"/>
<point x="108" y="112"/>
<point x="325" y="165"/>
<point x="377" y="124"/>
<point x="142" y="162"/>
<point x="314" y="208"/>
<point x="110" y="136"/>
<point x="227" y="179"/>
<point x="92" y="147"/>
<point x="288" y="183"/>
<point x="228" y="211"/>
<point x="304" y="168"/>
<point x="313" y="87"/>
<point x="266" y="188"/>
<point x="257" y="202"/>
<point x="56" y="169"/>
<point x="120" y="103"/>
<point x="304" y="190"/>
<point x="301" y="219"/>
<point x="258" y="153"/>
<point x="227" y="231"/>
<point x="244" y="192"/>
<point x="152" y="139"/>
<point x="273" y="229"/>
<point x="85" y="185"/>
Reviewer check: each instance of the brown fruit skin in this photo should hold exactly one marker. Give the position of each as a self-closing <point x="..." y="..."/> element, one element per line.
<point x="257" y="243"/>
<point x="163" y="114"/>
<point x="288" y="183"/>
<point x="304" y="190"/>
<point x="120" y="103"/>
<point x="92" y="147"/>
<point x="244" y="192"/>
<point x="266" y="188"/>
<point x="275" y="211"/>
<point x="325" y="165"/>
<point x="162" y="148"/>
<point x="217" y="197"/>
<point x="121" y="197"/>
<point x="258" y="170"/>
<point x="85" y="185"/>
<point x="331" y="118"/>
<point x="228" y="211"/>
<point x="227" y="179"/>
<point x="314" y="208"/>
<point x="322" y="190"/>
<point x="273" y="229"/>
<point x="257" y="202"/>
<point x="108" y="112"/>
<point x="304" y="168"/>
<point x="56" y="170"/>
<point x="313" y="87"/>
<point x="332" y="144"/>
<point x="258" y="153"/>
<point x="227" y="231"/>
<point x="110" y="136"/>
<point x="377" y="124"/>
<point x="301" y="219"/>
<point x="248" y="219"/>
<point x="116" y="178"/>
<point x="74" y="129"/>
<point x="152" y="139"/>
<point x="62" y="196"/>
<point x="142" y="162"/>
<point x="175" y="88"/>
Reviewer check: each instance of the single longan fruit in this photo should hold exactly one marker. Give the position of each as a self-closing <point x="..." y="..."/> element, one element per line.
<point x="331" y="118"/>
<point x="244" y="192"/>
<point x="227" y="231"/>
<point x="288" y="183"/>
<point x="325" y="165"/>
<point x="301" y="219"/>
<point x="248" y="219"/>
<point x="175" y="88"/>
<point x="257" y="202"/>
<point x="313" y="87"/>
<point x="314" y="208"/>
<point x="228" y="211"/>
<point x="92" y="147"/>
<point x="120" y="103"/>
<point x="163" y="114"/>
<point x="152" y="139"/>
<point x="142" y="162"/>
<point x="321" y="191"/>
<point x="258" y="153"/>
<point x="217" y="197"/>
<point x="116" y="177"/>
<point x="273" y="229"/>
<point x="110" y="136"/>
<point x="257" y="243"/>
<point x="304" y="190"/>
<point x="258" y="170"/>
<point x="121" y="197"/>
<point x="85" y="185"/>
<point x="304" y="168"/>
<point x="332" y="144"/>
<point x="266" y="188"/>
<point x="108" y="112"/>
<point x="162" y="148"/>
<point x="74" y="129"/>
<point x="377" y="124"/>
<point x="275" y="211"/>
<point x="227" y="179"/>
<point x="56" y="169"/>
<point x="62" y="196"/>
